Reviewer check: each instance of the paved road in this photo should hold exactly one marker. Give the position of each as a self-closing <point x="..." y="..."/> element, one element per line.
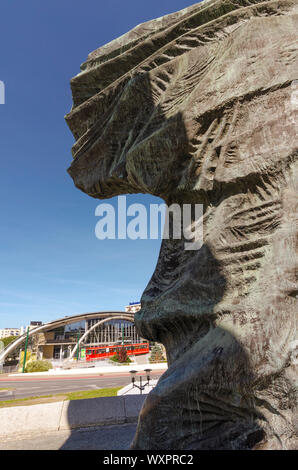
<point x="117" y="437"/>
<point x="31" y="386"/>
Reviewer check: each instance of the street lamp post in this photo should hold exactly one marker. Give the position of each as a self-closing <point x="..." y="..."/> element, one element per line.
<point x="25" y="352"/>
<point x="78" y="346"/>
<point x="133" y="379"/>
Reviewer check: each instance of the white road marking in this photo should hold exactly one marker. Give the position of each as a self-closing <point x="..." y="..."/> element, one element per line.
<point x="28" y="389"/>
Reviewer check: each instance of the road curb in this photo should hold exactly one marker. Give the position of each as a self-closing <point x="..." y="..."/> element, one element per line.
<point x="68" y="415"/>
<point x="94" y="371"/>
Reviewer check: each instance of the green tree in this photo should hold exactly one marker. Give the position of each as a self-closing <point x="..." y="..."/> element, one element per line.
<point x="122" y="355"/>
<point x="156" y="354"/>
<point x="8" y="340"/>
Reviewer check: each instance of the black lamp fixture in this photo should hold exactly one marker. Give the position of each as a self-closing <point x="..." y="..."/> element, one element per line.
<point x="148" y="374"/>
<point x="133" y="379"/>
<point x="133" y="375"/>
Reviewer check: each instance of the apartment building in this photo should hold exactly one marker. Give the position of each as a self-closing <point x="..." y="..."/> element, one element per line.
<point x="5" y="332"/>
<point x="133" y="307"/>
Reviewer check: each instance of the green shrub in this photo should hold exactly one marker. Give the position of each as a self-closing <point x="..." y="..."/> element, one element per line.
<point x="38" y="366"/>
<point x="121" y="357"/>
<point x="30" y="357"/>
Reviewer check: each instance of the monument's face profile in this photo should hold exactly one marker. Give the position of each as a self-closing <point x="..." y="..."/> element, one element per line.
<point x="200" y="106"/>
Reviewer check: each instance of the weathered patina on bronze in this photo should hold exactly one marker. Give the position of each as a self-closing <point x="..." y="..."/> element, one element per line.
<point x="201" y="107"/>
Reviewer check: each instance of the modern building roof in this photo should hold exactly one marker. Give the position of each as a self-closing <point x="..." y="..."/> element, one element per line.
<point x="64" y="321"/>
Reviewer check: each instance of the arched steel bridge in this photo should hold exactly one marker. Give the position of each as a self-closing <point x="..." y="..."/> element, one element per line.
<point x="102" y="316"/>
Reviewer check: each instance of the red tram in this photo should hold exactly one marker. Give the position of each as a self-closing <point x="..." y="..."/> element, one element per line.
<point x="100" y="352"/>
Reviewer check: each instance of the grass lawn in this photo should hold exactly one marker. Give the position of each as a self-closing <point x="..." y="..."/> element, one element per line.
<point x="103" y="392"/>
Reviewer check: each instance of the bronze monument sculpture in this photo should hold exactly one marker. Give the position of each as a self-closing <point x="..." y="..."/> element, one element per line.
<point x="200" y="106"/>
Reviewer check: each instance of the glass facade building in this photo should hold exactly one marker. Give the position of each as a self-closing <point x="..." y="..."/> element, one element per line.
<point x="59" y="339"/>
<point x="59" y="342"/>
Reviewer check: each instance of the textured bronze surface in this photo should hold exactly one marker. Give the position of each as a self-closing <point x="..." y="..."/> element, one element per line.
<point x="201" y="107"/>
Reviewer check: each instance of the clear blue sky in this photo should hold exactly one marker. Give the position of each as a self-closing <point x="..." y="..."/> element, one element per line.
<point x="51" y="262"/>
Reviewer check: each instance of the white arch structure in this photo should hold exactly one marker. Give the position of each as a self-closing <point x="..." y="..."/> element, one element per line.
<point x="61" y="322"/>
<point x="100" y="322"/>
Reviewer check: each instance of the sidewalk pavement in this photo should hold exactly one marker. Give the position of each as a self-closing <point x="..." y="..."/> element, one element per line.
<point x="94" y="370"/>
<point x="134" y="390"/>
<point x="21" y="421"/>
<point x="143" y="359"/>
<point x="116" y="437"/>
